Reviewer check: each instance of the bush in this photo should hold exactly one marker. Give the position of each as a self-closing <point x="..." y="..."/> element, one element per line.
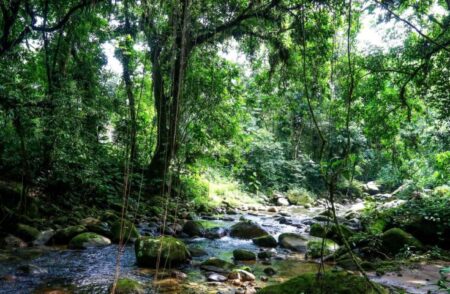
<point x="300" y="196"/>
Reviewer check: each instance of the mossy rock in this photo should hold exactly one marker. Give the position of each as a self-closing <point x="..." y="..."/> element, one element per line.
<point x="333" y="233"/>
<point x="346" y="261"/>
<point x="244" y="255"/>
<point x="128" y="286"/>
<point x="315" y="247"/>
<point x="169" y="250"/>
<point x="317" y="230"/>
<point x="193" y="229"/>
<point x="265" y="241"/>
<point x="129" y="231"/>
<point x="331" y="282"/>
<point x="88" y="239"/>
<point x="247" y="230"/>
<point x="64" y="236"/>
<point x="293" y="242"/>
<point x="395" y="239"/>
<point x="26" y="232"/>
<point x="217" y="265"/>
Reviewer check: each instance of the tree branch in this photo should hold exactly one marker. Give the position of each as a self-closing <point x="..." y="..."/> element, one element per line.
<point x="398" y="17"/>
<point x="204" y="37"/>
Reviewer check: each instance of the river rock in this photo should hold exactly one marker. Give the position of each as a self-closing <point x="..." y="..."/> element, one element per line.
<point x="12" y="242"/>
<point x="125" y="229"/>
<point x="270" y="271"/>
<point x="172" y="251"/>
<point x="87" y="240"/>
<point x="217" y="265"/>
<point x="128" y="286"/>
<point x="247" y="230"/>
<point x="293" y="242"/>
<point x="215" y="233"/>
<point x="44" y="237"/>
<point x="213" y="277"/>
<point x="395" y="239"/>
<point x="315" y="248"/>
<point x="265" y="241"/>
<point x="371" y="188"/>
<point x="282" y="202"/>
<point x="244" y="255"/>
<point x="193" y="229"/>
<point x="197" y="251"/>
<point x="26" y="232"/>
<point x="64" y="236"/>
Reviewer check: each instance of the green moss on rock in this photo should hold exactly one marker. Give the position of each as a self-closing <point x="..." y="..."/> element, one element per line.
<point x="317" y="230"/>
<point x="396" y="239"/>
<point x="216" y="263"/>
<point x="88" y="239"/>
<point x="129" y="286"/>
<point x="129" y="231"/>
<point x="241" y="254"/>
<point x="170" y="251"/>
<point x="63" y="236"/>
<point x="265" y="241"/>
<point x="315" y="248"/>
<point x="247" y="230"/>
<point x="26" y="232"/>
<point x="331" y="282"/>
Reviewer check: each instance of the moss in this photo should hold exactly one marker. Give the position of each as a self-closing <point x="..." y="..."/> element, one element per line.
<point x="241" y="254"/>
<point x="129" y="231"/>
<point x="63" y="236"/>
<point x="346" y="261"/>
<point x="218" y="263"/>
<point x="88" y="239"/>
<point x="129" y="286"/>
<point x="377" y="226"/>
<point x="331" y="282"/>
<point x="317" y="230"/>
<point x="265" y="241"/>
<point x="26" y="232"/>
<point x="167" y="249"/>
<point x="193" y="229"/>
<point x="333" y="234"/>
<point x="395" y="239"/>
<point x="315" y="248"/>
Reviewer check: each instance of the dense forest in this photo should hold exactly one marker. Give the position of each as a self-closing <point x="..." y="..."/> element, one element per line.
<point x="235" y="146"/>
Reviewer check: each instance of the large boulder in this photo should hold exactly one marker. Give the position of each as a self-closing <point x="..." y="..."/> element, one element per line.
<point x="193" y="229"/>
<point x="265" y="241"/>
<point x="247" y="230"/>
<point x="215" y="233"/>
<point x="125" y="230"/>
<point x="395" y="239"/>
<point x="292" y="241"/>
<point x="317" y="230"/>
<point x="243" y="255"/>
<point x="26" y="232"/>
<point x="87" y="240"/>
<point x="64" y="236"/>
<point x="166" y="250"/>
<point x="331" y="282"/>
<point x="282" y="202"/>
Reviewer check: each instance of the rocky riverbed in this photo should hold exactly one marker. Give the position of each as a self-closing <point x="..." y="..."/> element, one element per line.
<point x="245" y="265"/>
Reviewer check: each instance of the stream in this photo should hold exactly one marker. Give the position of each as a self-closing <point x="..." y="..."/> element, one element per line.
<point x="61" y="270"/>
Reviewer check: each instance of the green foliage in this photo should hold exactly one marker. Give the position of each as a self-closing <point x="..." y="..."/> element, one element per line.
<point x="300" y="196"/>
